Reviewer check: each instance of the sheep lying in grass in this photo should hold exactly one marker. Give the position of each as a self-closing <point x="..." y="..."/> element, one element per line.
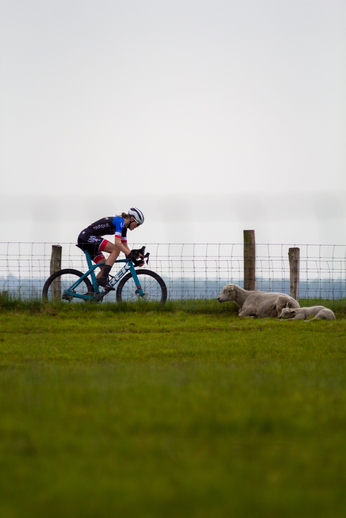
<point x="257" y="303"/>
<point x="319" y="312"/>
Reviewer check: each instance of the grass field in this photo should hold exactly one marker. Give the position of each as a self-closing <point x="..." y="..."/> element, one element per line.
<point x="148" y="412"/>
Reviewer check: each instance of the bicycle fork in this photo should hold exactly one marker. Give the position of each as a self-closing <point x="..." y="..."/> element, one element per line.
<point x="128" y="267"/>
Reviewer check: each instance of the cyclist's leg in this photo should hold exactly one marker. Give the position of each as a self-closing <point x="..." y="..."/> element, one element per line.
<point x="113" y="252"/>
<point x="94" y="245"/>
<point x="99" y="257"/>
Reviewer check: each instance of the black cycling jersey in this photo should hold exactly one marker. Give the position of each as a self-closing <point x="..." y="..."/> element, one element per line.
<point x="91" y="237"/>
<point x="105" y="226"/>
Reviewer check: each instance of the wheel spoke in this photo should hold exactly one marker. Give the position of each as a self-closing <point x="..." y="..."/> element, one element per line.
<point x="57" y="287"/>
<point x="152" y="285"/>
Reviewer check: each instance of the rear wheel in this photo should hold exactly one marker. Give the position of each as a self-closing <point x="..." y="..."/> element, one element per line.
<point x="56" y="285"/>
<point x="153" y="286"/>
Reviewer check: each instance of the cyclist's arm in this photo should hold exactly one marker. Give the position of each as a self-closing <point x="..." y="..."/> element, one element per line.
<point x="122" y="246"/>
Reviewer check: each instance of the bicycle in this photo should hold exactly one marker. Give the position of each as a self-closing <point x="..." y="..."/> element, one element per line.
<point x="74" y="286"/>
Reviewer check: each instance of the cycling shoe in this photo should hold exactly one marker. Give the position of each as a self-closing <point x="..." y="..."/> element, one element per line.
<point x="105" y="284"/>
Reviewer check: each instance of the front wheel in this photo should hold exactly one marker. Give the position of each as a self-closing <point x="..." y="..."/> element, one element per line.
<point x="56" y="285"/>
<point x="152" y="285"/>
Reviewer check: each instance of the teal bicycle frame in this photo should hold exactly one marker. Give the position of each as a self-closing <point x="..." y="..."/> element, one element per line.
<point x="98" y="295"/>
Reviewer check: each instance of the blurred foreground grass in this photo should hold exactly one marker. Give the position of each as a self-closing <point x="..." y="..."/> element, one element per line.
<point x="149" y="413"/>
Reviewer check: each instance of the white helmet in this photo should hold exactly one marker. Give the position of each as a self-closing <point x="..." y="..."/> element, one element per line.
<point x="137" y="215"/>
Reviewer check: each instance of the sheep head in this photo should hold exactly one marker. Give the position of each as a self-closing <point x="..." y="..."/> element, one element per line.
<point x="228" y="293"/>
<point x="287" y="313"/>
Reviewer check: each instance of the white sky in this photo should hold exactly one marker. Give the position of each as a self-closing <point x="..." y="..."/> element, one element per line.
<point x="212" y="116"/>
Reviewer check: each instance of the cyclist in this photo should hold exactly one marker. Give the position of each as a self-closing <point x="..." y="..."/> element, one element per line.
<point x="91" y="239"/>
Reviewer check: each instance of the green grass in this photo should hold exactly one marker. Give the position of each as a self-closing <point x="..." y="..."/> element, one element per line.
<point x="143" y="411"/>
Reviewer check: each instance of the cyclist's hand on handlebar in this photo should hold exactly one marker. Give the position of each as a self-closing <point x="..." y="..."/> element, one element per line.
<point x="138" y="257"/>
<point x="140" y="260"/>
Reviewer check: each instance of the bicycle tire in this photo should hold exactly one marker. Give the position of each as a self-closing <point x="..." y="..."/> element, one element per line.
<point x="70" y="276"/>
<point x="152" y="284"/>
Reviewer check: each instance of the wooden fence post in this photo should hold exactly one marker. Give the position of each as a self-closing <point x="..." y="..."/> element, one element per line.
<point x="55" y="266"/>
<point x="294" y="260"/>
<point x="249" y="260"/>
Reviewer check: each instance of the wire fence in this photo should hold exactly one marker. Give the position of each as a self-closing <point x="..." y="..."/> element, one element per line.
<point x="190" y="270"/>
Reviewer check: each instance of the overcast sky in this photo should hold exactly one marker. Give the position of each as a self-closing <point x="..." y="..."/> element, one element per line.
<point x="212" y="116"/>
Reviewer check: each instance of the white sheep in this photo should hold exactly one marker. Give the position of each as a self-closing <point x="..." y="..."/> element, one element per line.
<point x="257" y="303"/>
<point x="319" y="312"/>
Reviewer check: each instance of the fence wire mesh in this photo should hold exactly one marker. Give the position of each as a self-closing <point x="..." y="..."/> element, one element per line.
<point x="190" y="270"/>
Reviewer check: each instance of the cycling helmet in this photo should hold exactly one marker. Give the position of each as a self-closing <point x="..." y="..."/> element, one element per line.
<point x="137" y="215"/>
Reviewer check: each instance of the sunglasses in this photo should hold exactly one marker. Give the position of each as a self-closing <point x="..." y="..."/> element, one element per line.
<point x="134" y="221"/>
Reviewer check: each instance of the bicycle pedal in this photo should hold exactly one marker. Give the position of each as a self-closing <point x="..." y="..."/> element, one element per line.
<point x="108" y="288"/>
